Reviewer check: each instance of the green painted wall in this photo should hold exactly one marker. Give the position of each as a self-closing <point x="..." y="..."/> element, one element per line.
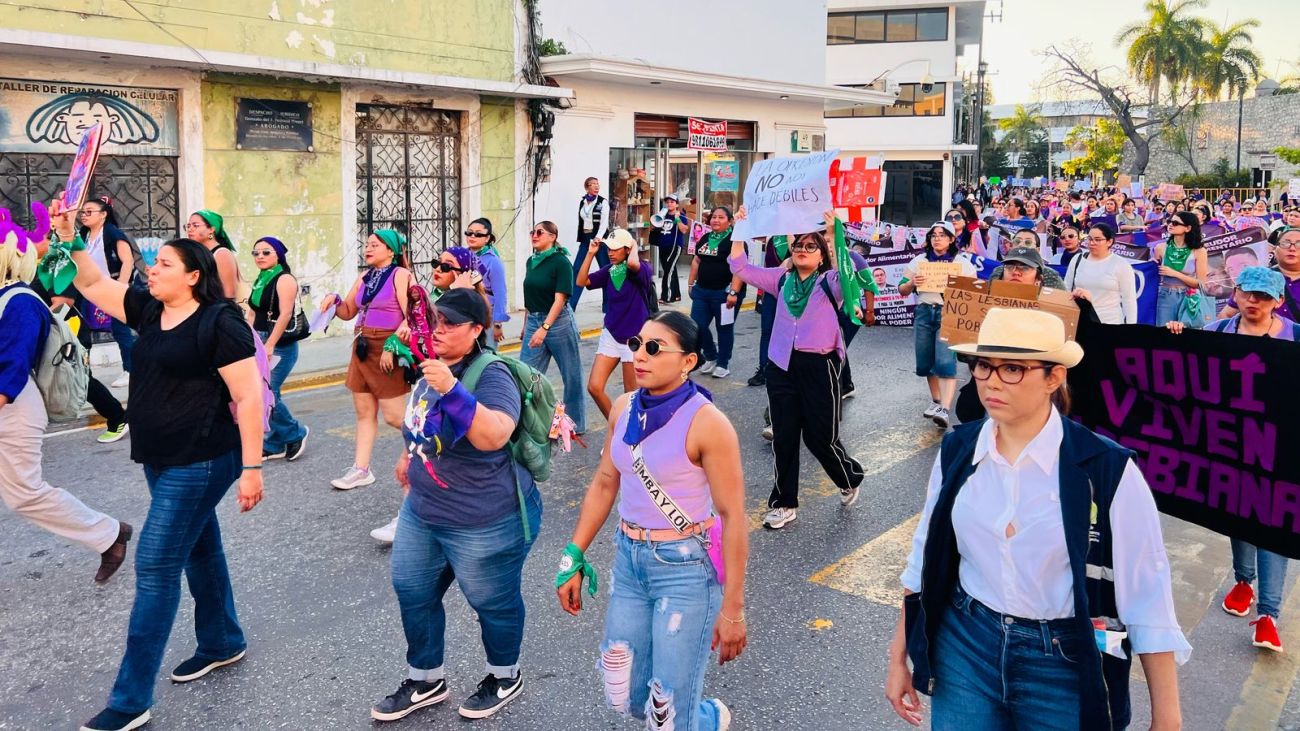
<point x="295" y="196"/>
<point x="497" y="172"/>
<point x="471" y="38"/>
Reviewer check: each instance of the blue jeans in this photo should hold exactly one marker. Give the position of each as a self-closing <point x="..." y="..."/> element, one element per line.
<point x="1246" y="559"/>
<point x="766" y="319"/>
<point x="284" y="428"/>
<point x="933" y="357"/>
<point x="561" y="343"/>
<point x="179" y="534"/>
<point x="706" y="307"/>
<point x="995" y="672"/>
<point x="602" y="260"/>
<point x="124" y="336"/>
<point x="486" y="561"/>
<point x="663" y="601"/>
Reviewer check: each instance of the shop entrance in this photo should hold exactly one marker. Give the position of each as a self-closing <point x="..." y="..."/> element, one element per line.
<point x="408" y="178"/>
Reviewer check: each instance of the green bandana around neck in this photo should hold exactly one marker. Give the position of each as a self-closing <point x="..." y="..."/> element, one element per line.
<point x="712" y="241"/>
<point x="618" y="275"/>
<point x="1176" y="256"/>
<point x="264" y="277"/>
<point x="796" y="292"/>
<point x="489" y="249"/>
<point x="540" y="256"/>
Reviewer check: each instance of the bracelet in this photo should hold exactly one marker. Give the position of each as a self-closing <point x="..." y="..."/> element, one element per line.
<point x="733" y="621"/>
<point x="252" y="467"/>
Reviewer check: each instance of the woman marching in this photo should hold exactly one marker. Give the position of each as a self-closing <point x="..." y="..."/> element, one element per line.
<point x="272" y="304"/>
<point x="193" y="448"/>
<point x="1103" y="278"/>
<point x="672" y="460"/>
<point x="480" y="240"/>
<point x="208" y="228"/>
<point x="1184" y="264"/>
<point x="1038" y="568"/>
<point x="934" y="361"/>
<point x="628" y="287"/>
<point x="378" y="300"/>
<point x="713" y="289"/>
<point x="549" y="328"/>
<point x="805" y="361"/>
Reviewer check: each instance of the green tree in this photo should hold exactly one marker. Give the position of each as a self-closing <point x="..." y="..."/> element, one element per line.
<point x="1167" y="46"/>
<point x="1228" y="62"/>
<point x="1022" y="131"/>
<point x="1102" y="144"/>
<point x="1034" y="160"/>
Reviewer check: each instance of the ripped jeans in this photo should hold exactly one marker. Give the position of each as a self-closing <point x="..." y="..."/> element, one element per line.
<point x="663" y="601"/>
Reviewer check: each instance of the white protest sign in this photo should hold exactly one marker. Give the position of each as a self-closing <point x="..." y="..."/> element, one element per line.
<point x="787" y="195"/>
<point x="1293" y="188"/>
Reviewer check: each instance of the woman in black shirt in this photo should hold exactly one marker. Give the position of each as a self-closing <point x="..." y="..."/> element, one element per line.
<point x="713" y="290"/>
<point x="195" y="355"/>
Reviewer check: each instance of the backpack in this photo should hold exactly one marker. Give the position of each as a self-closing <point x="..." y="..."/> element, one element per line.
<point x="530" y="445"/>
<point x="62" y="371"/>
<point x="649" y="295"/>
<point x="208" y="346"/>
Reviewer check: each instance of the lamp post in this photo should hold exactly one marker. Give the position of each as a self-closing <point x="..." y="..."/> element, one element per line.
<point x="1241" y="102"/>
<point x="979" y="118"/>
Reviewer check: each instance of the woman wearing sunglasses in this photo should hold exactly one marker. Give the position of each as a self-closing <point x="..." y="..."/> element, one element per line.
<point x="806" y="357"/>
<point x="273" y="302"/>
<point x="969" y="237"/>
<point x="480" y="240"/>
<point x="549" y="328"/>
<point x="628" y="287"/>
<point x="1038" y="568"/>
<point x="672" y="460"/>
<point x="1184" y="265"/>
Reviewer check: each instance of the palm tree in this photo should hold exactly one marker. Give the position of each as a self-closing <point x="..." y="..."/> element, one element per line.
<point x="1167" y="46"/>
<point x="1229" y="63"/>
<point x="1022" y="130"/>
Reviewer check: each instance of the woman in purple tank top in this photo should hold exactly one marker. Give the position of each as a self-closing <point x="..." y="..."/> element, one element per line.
<point x="379" y="298"/>
<point x="672" y="460"/>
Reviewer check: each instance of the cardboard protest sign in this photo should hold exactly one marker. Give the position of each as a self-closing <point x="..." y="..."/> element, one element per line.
<point x="786" y="195"/>
<point x="967" y="300"/>
<point x="1062" y="185"/>
<point x="1170" y="192"/>
<point x="1210" y="417"/>
<point x="936" y="274"/>
<point x="83" y="166"/>
<point x="707" y="136"/>
<point x="1229" y="253"/>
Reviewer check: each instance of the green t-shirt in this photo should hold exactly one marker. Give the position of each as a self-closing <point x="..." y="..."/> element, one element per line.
<point x="553" y="274"/>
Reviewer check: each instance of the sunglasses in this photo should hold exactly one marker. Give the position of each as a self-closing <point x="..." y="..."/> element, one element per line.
<point x="652" y="347"/>
<point x="257" y="252"/>
<point x="476" y="234"/>
<point x="538" y="232"/>
<point x="1069" y="237"/>
<point x="446" y="268"/>
<point x="955" y="217"/>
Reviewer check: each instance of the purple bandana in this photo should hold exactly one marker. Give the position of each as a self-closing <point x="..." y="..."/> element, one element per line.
<point x="650" y="413"/>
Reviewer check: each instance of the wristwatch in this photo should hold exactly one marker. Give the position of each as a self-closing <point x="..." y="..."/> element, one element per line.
<point x="546" y="326"/>
<point x="731" y="292"/>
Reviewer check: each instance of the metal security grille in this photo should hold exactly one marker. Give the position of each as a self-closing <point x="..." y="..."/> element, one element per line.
<point x="142" y="188"/>
<point x="408" y="178"/>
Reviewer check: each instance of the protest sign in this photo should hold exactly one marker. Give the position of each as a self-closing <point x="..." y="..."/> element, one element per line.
<point x="724" y="176"/>
<point x="1293" y="189"/>
<point x="786" y="195"/>
<point x="936" y="274"/>
<point x="698" y="229"/>
<point x="1209" y="415"/>
<point x="967" y="300"/>
<point x="83" y="166"/>
<point x="1062" y="185"/>
<point x="1229" y="253"/>
<point x="891" y="307"/>
<point x="1131" y="252"/>
<point x="1170" y="192"/>
<point x="707" y="136"/>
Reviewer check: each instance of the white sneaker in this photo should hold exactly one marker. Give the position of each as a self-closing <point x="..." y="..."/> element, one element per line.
<point x="724" y="714"/>
<point x="848" y="496"/>
<point x="778" y="518"/>
<point x="767" y="433"/>
<point x="356" y="477"/>
<point x="931" y="410"/>
<point x="386" y="533"/>
<point x="121" y="381"/>
<point x="708" y="366"/>
<point x="941" y="418"/>
<point x="721" y="372"/>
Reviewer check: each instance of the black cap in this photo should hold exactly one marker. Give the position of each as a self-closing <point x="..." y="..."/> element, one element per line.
<point x="1023" y="255"/>
<point x="458" y="306"/>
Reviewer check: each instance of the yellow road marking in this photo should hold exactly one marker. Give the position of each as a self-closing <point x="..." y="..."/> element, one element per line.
<point x="1264" y="694"/>
<point x="872" y="571"/>
<point x="820" y="624"/>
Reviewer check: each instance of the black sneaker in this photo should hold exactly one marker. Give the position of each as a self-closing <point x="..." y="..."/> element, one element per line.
<point x="492" y="694"/>
<point x="196" y="667"/>
<point x="758" y="379"/>
<point x="293" y="450"/>
<point x="110" y="720"/>
<point x="410" y="696"/>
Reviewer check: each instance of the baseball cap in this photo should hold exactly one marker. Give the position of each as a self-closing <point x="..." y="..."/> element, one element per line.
<point x="946" y="226"/>
<point x="619" y="238"/>
<point x="1024" y="255"/>
<point x="462" y="305"/>
<point x="1262" y="280"/>
<point x="671" y="197"/>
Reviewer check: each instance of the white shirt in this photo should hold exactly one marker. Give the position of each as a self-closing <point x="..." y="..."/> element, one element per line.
<point x="95" y="248"/>
<point x="1111" y="284"/>
<point x="1028" y="573"/>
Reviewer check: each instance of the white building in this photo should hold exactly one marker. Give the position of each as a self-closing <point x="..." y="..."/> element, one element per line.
<point x="1058" y="118"/>
<point x="912" y="48"/>
<point x="637" y="82"/>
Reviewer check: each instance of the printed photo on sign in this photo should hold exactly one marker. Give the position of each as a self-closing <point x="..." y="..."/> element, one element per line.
<point x="1230" y="253"/>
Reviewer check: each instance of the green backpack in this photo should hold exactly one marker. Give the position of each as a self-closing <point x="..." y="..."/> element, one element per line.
<point x="531" y="444"/>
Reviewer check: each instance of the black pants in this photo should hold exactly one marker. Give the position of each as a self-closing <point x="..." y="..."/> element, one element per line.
<point x="668" y="257"/>
<point x="805" y="403"/>
<point x="846" y="373"/>
<point x="105" y="403"/>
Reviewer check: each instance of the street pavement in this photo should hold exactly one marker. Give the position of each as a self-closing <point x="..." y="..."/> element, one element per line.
<point x="325" y="639"/>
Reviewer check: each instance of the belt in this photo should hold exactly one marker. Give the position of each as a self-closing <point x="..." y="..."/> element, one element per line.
<point x="1062" y="624"/>
<point x="659" y="535"/>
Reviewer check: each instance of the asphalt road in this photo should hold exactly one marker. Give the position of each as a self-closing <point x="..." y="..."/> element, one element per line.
<point x="325" y="638"/>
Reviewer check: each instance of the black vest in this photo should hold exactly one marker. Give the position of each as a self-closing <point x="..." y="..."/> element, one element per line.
<point x="595" y="219"/>
<point x="1090" y="467"/>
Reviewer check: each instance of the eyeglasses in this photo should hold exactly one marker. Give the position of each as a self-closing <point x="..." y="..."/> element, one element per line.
<point x="652" y="347"/>
<point x="1098" y="239"/>
<point x="257" y="252"/>
<point x="1241" y="294"/>
<point x="805" y="246"/>
<point x="1069" y="237"/>
<point x="476" y="234"/>
<point x="446" y="268"/>
<point x="1288" y="245"/>
<point x="1008" y="373"/>
<point x="954" y="217"/>
<point x="538" y="232"/>
<point x="1018" y="267"/>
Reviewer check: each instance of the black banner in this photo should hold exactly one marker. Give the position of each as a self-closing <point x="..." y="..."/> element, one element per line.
<point x="1212" y="418"/>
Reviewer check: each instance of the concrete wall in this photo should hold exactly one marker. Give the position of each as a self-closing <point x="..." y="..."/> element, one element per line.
<point x="1267" y="123"/>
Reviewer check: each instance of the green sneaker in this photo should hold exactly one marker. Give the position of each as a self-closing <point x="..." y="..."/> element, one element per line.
<point x="112" y="435"/>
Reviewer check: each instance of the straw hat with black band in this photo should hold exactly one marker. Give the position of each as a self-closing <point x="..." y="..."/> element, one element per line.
<point x="1014" y="334"/>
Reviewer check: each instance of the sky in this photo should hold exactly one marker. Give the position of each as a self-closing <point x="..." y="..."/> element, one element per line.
<point x="1028" y="26"/>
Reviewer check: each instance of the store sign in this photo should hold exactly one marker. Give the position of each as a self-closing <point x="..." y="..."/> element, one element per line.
<point x="53" y="116"/>
<point x="708" y="136"/>
<point x="724" y="176"/>
<point x="273" y="124"/>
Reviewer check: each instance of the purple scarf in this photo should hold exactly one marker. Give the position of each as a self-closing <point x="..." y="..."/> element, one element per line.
<point x="650" y="413"/>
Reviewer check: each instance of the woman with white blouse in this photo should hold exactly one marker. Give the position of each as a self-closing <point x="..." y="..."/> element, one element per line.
<point x="1038" y="568"/>
<point x="1104" y="278"/>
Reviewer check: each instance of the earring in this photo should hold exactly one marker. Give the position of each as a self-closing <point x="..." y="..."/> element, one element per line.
<point x="683" y="376"/>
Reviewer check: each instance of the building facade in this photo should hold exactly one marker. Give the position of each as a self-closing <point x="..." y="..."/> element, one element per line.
<point x="1058" y="119"/>
<point x="911" y="51"/>
<point x="314" y="121"/>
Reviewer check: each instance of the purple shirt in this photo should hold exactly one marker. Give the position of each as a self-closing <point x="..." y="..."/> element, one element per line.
<point x="627" y="310"/>
<point x="1229" y="325"/>
<point x="817" y="331"/>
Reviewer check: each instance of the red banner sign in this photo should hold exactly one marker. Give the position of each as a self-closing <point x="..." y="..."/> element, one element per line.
<point x="855" y="185"/>
<point x="708" y="136"/>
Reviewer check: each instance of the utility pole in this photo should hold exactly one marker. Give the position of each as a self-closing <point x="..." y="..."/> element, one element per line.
<point x="979" y="113"/>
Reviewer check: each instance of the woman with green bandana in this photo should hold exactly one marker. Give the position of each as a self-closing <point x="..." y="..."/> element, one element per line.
<point x="1184" y="266"/>
<point x="208" y="228"/>
<point x="714" y="289"/>
<point x="628" y="288"/>
<point x="271" y="304"/>
<point x="378" y="301"/>
<point x="549" y="329"/>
